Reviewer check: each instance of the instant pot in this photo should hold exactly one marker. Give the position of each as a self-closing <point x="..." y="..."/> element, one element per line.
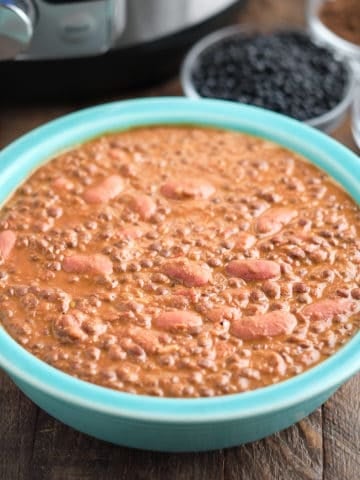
<point x="64" y="47"/>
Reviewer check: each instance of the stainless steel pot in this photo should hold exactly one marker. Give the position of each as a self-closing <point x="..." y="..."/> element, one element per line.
<point x="54" y="29"/>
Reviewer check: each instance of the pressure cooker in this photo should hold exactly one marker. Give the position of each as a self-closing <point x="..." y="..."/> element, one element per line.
<point x="65" y="47"/>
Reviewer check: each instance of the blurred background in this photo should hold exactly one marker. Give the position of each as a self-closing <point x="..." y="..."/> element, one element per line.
<point x="60" y="55"/>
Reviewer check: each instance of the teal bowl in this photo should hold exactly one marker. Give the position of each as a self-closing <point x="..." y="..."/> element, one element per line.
<point x="169" y="424"/>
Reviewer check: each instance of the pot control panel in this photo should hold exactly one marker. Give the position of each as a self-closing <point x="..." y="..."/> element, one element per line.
<point x="42" y="29"/>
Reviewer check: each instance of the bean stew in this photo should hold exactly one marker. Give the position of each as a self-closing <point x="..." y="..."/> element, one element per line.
<point x="180" y="261"/>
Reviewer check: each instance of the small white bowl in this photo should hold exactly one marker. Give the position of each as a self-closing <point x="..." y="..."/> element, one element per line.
<point x="356" y="116"/>
<point x="326" y="122"/>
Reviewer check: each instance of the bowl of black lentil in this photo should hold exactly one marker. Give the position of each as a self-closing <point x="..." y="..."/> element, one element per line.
<point x="283" y="71"/>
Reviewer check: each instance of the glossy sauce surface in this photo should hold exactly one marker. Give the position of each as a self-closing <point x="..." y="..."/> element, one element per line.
<point x="180" y="261"/>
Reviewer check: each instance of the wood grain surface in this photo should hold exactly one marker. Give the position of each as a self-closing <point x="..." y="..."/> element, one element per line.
<point x="34" y="446"/>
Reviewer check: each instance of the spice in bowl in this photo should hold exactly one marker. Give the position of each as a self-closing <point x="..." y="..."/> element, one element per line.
<point x="283" y="71"/>
<point x="343" y="18"/>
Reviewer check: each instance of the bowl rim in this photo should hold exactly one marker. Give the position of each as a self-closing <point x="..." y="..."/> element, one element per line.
<point x="199" y="48"/>
<point x="35" y="148"/>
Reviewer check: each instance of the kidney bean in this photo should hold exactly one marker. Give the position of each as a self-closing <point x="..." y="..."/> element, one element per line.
<point x="253" y="269"/>
<point x="269" y="324"/>
<point x="273" y="220"/>
<point x="108" y="189"/>
<point x="190" y="273"/>
<point x="7" y="243"/>
<point x="95" y="264"/>
<point x="328" y="308"/>
<point x="179" y="321"/>
<point x="143" y="205"/>
<point x="181" y="189"/>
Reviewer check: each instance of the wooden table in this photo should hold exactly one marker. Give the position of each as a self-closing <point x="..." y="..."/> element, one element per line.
<point x="34" y="446"/>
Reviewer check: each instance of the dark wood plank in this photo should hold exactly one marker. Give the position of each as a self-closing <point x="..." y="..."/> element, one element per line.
<point x="341" y="430"/>
<point x="295" y="453"/>
<point x="269" y="14"/>
<point x="61" y="453"/>
<point x="17" y="431"/>
<point x="16" y="120"/>
<point x="343" y="134"/>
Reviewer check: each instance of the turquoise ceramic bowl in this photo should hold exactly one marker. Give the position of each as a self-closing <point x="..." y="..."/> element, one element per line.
<point x="175" y="424"/>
